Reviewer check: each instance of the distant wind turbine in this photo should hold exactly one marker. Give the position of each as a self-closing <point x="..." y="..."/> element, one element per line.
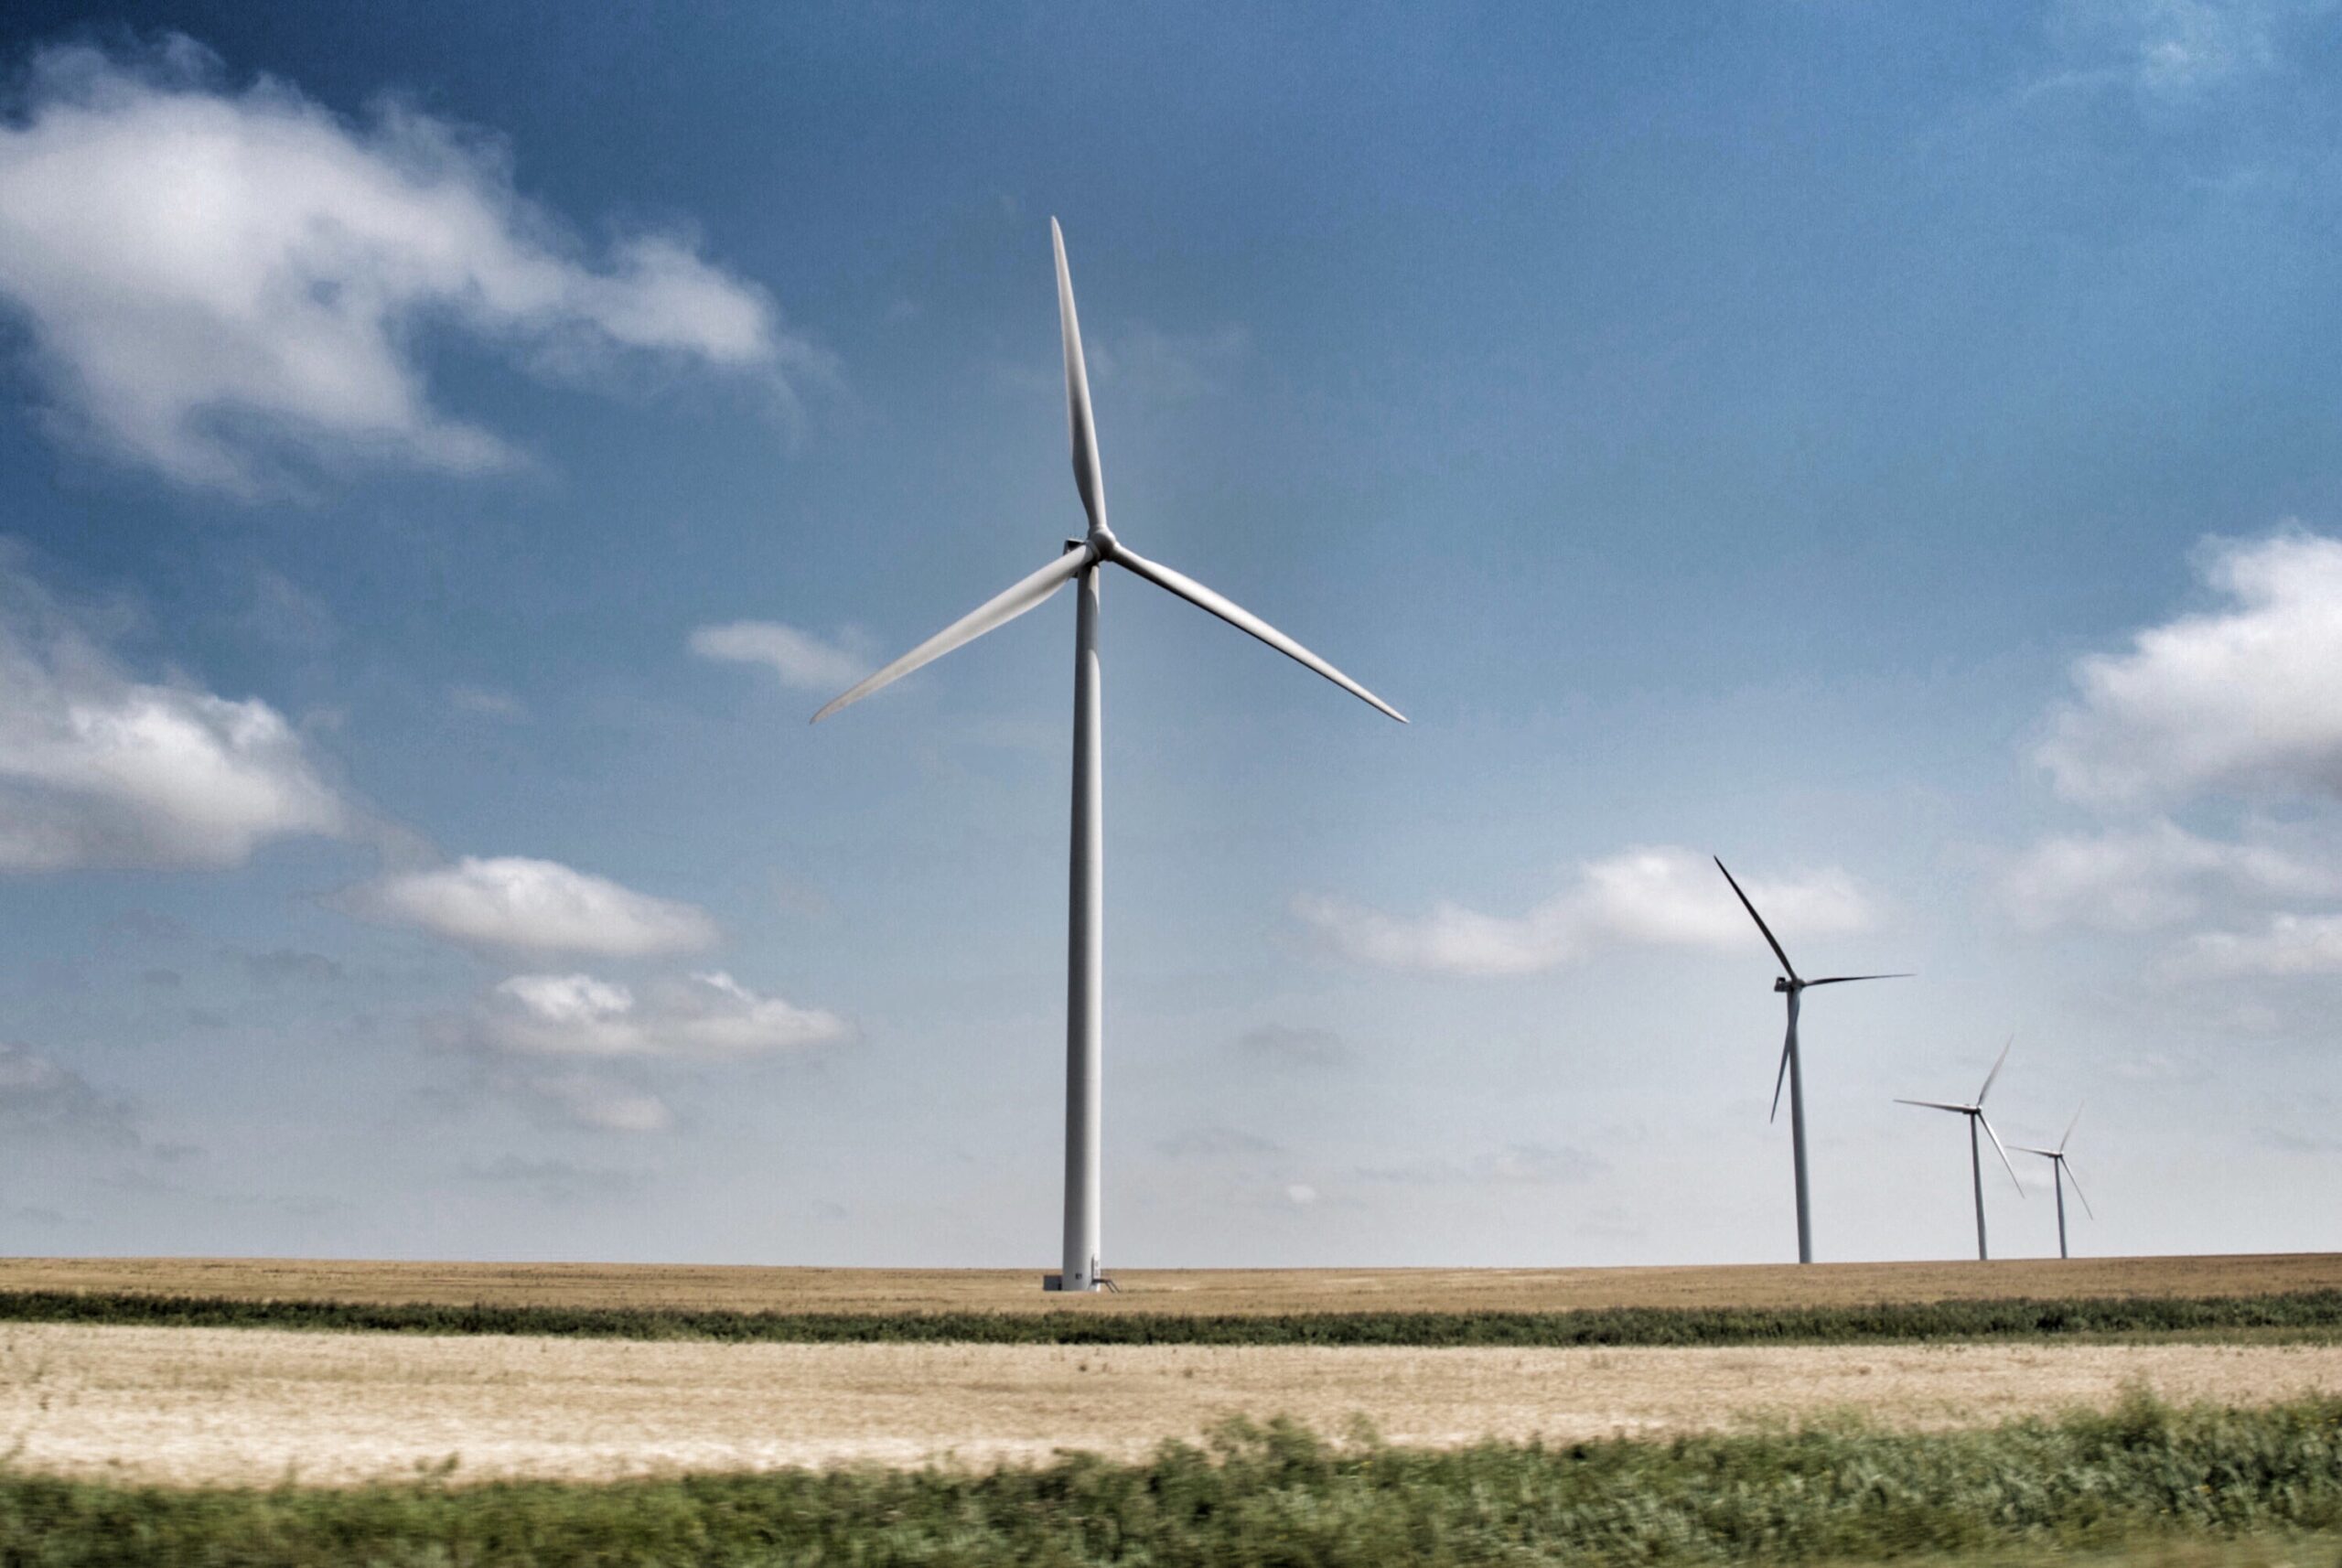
<point x="2062" y="1172"/>
<point x="1790" y="984"/>
<point x="1084" y="561"/>
<point x="1975" y="1115"/>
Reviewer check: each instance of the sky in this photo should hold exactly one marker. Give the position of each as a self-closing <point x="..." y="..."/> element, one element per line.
<point x="447" y="452"/>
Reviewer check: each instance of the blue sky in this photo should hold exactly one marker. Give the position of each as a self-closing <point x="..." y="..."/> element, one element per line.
<point x="447" y="453"/>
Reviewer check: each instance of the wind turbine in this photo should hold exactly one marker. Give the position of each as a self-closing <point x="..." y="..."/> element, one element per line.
<point x="1790" y="984"/>
<point x="1975" y="1115"/>
<point x="1084" y="561"/>
<point x="2060" y="1173"/>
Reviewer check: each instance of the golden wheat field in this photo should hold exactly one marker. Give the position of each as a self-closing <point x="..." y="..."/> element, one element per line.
<point x="1196" y="1290"/>
<point x="250" y="1406"/>
<point x="189" y="1406"/>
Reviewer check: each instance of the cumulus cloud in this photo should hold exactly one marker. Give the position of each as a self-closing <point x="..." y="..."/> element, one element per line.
<point x="803" y="661"/>
<point x="541" y="906"/>
<point x="584" y="1050"/>
<point x="1662" y="896"/>
<point x="2237" y="700"/>
<point x="709" y="1015"/>
<point x="2140" y="879"/>
<point x="1518" y="1164"/>
<point x="2287" y="945"/>
<point x="212" y="278"/>
<point x="2175" y="49"/>
<point x="1292" y="1045"/>
<point x="38" y="1095"/>
<point x="101" y="768"/>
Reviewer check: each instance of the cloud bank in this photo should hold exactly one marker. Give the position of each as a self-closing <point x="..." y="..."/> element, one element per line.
<point x="1661" y="897"/>
<point x="214" y="279"/>
<point x="536" y="906"/>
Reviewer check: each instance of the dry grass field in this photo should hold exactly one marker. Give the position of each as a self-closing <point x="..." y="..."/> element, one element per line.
<point x="196" y="1406"/>
<point x="1196" y="1290"/>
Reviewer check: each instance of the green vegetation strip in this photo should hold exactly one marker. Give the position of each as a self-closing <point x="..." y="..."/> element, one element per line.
<point x="2142" y="1476"/>
<point x="2314" y="1313"/>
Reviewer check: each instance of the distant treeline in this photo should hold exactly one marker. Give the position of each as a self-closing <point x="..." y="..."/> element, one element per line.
<point x="2144" y="1478"/>
<point x="2311" y="1312"/>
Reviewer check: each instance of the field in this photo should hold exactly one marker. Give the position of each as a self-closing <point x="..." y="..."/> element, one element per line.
<point x="255" y="1406"/>
<point x="929" y="1415"/>
<point x="1225" y="1291"/>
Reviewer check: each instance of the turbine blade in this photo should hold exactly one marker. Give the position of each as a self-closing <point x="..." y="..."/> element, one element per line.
<point x="2004" y="1153"/>
<point x="1087" y="478"/>
<point x="2070" y="1128"/>
<point x="1243" y="619"/>
<point x="2077" y="1188"/>
<point x="1936" y="1105"/>
<point x="2027" y="1149"/>
<point x="1843" y="979"/>
<point x="996" y="611"/>
<point x="1997" y="1063"/>
<point x="1788" y="968"/>
<point x="1779" y="1078"/>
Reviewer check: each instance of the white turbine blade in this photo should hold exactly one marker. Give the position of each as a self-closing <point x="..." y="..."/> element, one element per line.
<point x="1997" y="1063"/>
<point x="2029" y="1149"/>
<point x="2070" y="1128"/>
<point x="1778" y="1079"/>
<point x="1845" y="979"/>
<point x="2004" y="1153"/>
<point x="2077" y="1188"/>
<point x="1087" y="477"/>
<point x="1936" y="1105"/>
<point x="996" y="611"/>
<point x="1235" y="614"/>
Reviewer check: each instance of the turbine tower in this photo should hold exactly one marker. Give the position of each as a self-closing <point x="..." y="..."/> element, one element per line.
<point x="1975" y="1115"/>
<point x="1791" y="985"/>
<point x="2060" y="1173"/>
<point x="1084" y="561"/>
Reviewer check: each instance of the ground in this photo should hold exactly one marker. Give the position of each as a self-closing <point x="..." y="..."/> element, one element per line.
<point x="1202" y="1291"/>
<point x="246" y="1405"/>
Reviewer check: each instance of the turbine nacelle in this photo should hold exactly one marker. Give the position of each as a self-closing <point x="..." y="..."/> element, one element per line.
<point x="1783" y="984"/>
<point x="1097" y="547"/>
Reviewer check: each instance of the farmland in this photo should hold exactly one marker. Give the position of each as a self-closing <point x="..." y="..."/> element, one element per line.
<point x="1198" y="1292"/>
<point x="722" y="1414"/>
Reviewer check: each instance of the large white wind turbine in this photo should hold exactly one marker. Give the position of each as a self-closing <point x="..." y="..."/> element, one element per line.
<point x="1790" y="984"/>
<point x="2062" y="1172"/>
<point x="1084" y="561"/>
<point x="1975" y="1115"/>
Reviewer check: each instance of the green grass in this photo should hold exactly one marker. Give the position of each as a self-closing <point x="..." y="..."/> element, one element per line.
<point x="2190" y="1486"/>
<point x="2308" y="1314"/>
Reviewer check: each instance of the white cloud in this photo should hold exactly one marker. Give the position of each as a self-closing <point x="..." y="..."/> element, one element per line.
<point x="708" y="1015"/>
<point x="585" y="1049"/>
<point x="1661" y="897"/>
<point x="2238" y="699"/>
<point x="2136" y="879"/>
<point x="512" y="902"/>
<point x="803" y="661"/>
<point x="602" y="1104"/>
<point x="1300" y="1195"/>
<point x="38" y="1095"/>
<point x="214" y="278"/>
<point x="1169" y="367"/>
<point x="2287" y="945"/>
<point x="99" y="768"/>
<point x="2176" y="50"/>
